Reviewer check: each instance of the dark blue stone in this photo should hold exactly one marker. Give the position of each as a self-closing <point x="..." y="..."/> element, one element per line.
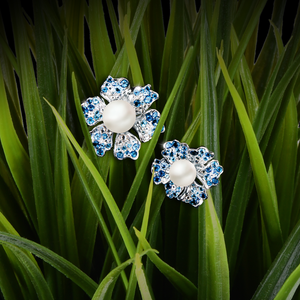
<point x="104" y="136"/>
<point x="120" y="155"/>
<point x="215" y="181"/>
<point x="154" y="96"/>
<point x="118" y="90"/>
<point x="169" y="185"/>
<point x="161" y="173"/>
<point x="147" y="99"/>
<point x="176" y="144"/>
<point x="133" y="154"/>
<point x="104" y="90"/>
<point x="124" y="83"/>
<point x="168" y="145"/>
<point x="100" y="152"/>
<point x="91" y="107"/>
<point x="108" y="146"/>
<point x="157" y="179"/>
<point x="156" y="168"/>
<point x="137" y="103"/>
<point x="208" y="170"/>
<point x="90" y="121"/>
<point x="109" y="79"/>
<point x="136" y="147"/>
<point x="219" y="169"/>
<point x="90" y="101"/>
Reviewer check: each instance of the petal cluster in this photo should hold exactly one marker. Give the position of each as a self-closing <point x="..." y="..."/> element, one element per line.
<point x="208" y="172"/>
<point x="125" y="144"/>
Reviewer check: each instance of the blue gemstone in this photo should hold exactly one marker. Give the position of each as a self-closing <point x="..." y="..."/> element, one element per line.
<point x="109" y="79"/>
<point x="137" y="103"/>
<point x="155" y="122"/>
<point x="215" y="181"/>
<point x="127" y="153"/>
<point x="124" y="148"/>
<point x="149" y="117"/>
<point x="129" y="145"/>
<point x="157" y="179"/>
<point x="161" y="173"/>
<point x="163" y="129"/>
<point x="120" y="155"/>
<point x="154" y="114"/>
<point x="176" y="144"/>
<point x="147" y="99"/>
<point x="208" y="170"/>
<point x="207" y="154"/>
<point x="136" y="92"/>
<point x="104" y="136"/>
<point x="124" y="83"/>
<point x="100" y="152"/>
<point x="201" y="152"/>
<point x="147" y="88"/>
<point x="203" y="196"/>
<point x="183" y="156"/>
<point x="84" y="109"/>
<point x="156" y="168"/>
<point x="118" y="90"/>
<point x="108" y="146"/>
<point x="91" y="107"/>
<point x="154" y="96"/>
<point x="90" y="121"/>
<point x="184" y="148"/>
<point x="164" y="153"/>
<point x="97" y="136"/>
<point x="96" y="101"/>
<point x="209" y="183"/>
<point x="96" y="144"/>
<point x="133" y="154"/>
<point x="194" y="152"/>
<point x="97" y="115"/>
<point x="219" y="169"/>
<point x="136" y="147"/>
<point x="90" y="101"/>
<point x="143" y="123"/>
<point x="168" y="145"/>
<point x="163" y="165"/>
<point x="169" y="185"/>
<point x="104" y="89"/>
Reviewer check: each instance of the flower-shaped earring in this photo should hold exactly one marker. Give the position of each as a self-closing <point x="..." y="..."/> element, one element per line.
<point x="180" y="168"/>
<point x="126" y="109"/>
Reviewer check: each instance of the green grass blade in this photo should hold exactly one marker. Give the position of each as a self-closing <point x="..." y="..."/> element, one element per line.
<point x="217" y="256"/>
<point x="16" y="156"/>
<point x="58" y="262"/>
<point x="103" y="58"/>
<point x="9" y="285"/>
<point x="141" y="278"/>
<point x="101" y="184"/>
<point x="209" y="103"/>
<point x="35" y="274"/>
<point x="179" y="281"/>
<point x="134" y="29"/>
<point x="268" y="206"/>
<point x="136" y="72"/>
<point x="290" y="286"/>
<point x="282" y="267"/>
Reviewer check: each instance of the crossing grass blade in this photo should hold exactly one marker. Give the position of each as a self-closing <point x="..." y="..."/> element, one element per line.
<point x="268" y="205"/>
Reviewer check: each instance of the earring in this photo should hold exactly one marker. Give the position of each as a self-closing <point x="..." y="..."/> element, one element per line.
<point x="126" y="109"/>
<point x="179" y="169"/>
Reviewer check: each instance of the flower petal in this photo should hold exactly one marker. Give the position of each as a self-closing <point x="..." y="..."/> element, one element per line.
<point x="200" y="156"/>
<point x="145" y="125"/>
<point x="174" y="150"/>
<point x="93" y="109"/>
<point x="115" y="88"/>
<point x="126" y="145"/>
<point x="173" y="191"/>
<point x="161" y="168"/>
<point x="101" y="139"/>
<point x="195" y="194"/>
<point x="142" y="98"/>
<point x="210" y="174"/>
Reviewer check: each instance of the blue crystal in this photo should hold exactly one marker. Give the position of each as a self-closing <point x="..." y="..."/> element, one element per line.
<point x="164" y="153"/>
<point x="133" y="154"/>
<point x="136" y="92"/>
<point x="129" y="145"/>
<point x="97" y="115"/>
<point x="164" y="165"/>
<point x="176" y="144"/>
<point x="84" y="109"/>
<point x="154" y="96"/>
<point x="96" y="101"/>
<point x="219" y="169"/>
<point x="155" y="122"/>
<point x="124" y="83"/>
<point x="136" y="147"/>
<point x="209" y="183"/>
<point x="161" y="173"/>
<point x="97" y="136"/>
<point x="124" y="148"/>
<point x="149" y="117"/>
<point x="108" y="146"/>
<point x="147" y="88"/>
<point x="148" y="99"/>
<point x="168" y="145"/>
<point x="90" y="101"/>
<point x="100" y="152"/>
<point x="215" y="181"/>
<point x="96" y="144"/>
<point x="168" y="185"/>
<point x="203" y="195"/>
<point x="104" y="136"/>
<point x="118" y="90"/>
<point x="143" y="123"/>
<point x="208" y="170"/>
<point x="201" y="152"/>
<point x="137" y="103"/>
<point x="157" y="179"/>
<point x="120" y="155"/>
<point x="109" y="79"/>
<point x="90" y="121"/>
<point x="91" y="107"/>
<point x="156" y="168"/>
<point x="154" y="114"/>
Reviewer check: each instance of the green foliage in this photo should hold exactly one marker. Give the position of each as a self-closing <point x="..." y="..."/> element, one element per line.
<point x="77" y="226"/>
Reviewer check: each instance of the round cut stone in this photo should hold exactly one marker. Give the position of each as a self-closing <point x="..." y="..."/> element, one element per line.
<point x="119" y="116"/>
<point x="182" y="172"/>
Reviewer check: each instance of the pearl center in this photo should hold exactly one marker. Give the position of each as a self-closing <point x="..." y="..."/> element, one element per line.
<point x="182" y="173"/>
<point x="119" y="116"/>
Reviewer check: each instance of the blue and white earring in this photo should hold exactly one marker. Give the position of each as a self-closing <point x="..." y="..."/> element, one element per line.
<point x="126" y="109"/>
<point x="180" y="169"/>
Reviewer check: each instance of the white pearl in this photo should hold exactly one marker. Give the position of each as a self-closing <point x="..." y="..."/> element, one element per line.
<point x="182" y="172"/>
<point x="119" y="116"/>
